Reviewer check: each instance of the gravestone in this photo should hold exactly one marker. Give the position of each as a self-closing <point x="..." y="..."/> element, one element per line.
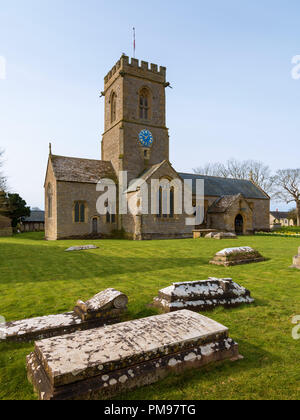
<point x="221" y="235"/>
<point x="202" y="295"/>
<point x="81" y="248"/>
<point x="107" y="307"/>
<point x="108" y="304"/>
<point x="296" y="260"/>
<point x="103" y="362"/>
<point x="236" y="256"/>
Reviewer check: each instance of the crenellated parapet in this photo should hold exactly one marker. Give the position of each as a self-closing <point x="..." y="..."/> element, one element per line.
<point x="134" y="67"/>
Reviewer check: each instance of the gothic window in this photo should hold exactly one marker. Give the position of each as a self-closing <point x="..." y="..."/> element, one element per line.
<point x="49" y="201"/>
<point x="110" y="218"/>
<point x="113" y="107"/>
<point x="144" y="105"/>
<point x="163" y="197"/>
<point x="79" y="212"/>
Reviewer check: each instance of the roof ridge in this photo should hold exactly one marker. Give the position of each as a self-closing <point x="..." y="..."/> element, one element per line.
<point x="72" y="157"/>
<point x="219" y="177"/>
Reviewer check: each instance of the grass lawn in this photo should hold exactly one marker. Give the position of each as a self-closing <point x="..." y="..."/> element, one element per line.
<point x="39" y="278"/>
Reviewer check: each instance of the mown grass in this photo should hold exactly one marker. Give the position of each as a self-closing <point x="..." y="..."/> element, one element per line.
<point x="39" y="278"/>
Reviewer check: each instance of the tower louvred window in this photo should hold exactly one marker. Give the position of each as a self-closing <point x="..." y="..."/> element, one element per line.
<point x="144" y="104"/>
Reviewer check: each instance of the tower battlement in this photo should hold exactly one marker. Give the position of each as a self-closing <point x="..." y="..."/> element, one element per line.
<point x="136" y="68"/>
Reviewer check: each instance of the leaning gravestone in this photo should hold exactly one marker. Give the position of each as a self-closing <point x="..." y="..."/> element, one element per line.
<point x="237" y="256"/>
<point x="296" y="261"/>
<point x="202" y="295"/>
<point x="103" y="362"/>
<point x="108" y="304"/>
<point x="105" y="308"/>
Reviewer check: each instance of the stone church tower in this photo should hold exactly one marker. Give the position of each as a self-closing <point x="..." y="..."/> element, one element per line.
<point x="135" y="103"/>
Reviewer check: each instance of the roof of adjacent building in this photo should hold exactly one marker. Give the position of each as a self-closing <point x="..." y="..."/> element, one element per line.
<point x="222" y="204"/>
<point x="37" y="216"/>
<point x="280" y="214"/>
<point x="90" y="171"/>
<point x="218" y="187"/>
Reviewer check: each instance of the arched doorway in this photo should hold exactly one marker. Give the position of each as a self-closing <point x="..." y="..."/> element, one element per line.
<point x="239" y="224"/>
<point x="95" y="225"/>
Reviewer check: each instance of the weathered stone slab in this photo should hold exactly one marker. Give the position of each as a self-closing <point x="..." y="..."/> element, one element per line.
<point x="202" y="295"/>
<point x="81" y="248"/>
<point x="221" y="235"/>
<point x="237" y="256"/>
<point x="103" y="362"/>
<point x="108" y="303"/>
<point x="225" y="235"/>
<point x="109" y="306"/>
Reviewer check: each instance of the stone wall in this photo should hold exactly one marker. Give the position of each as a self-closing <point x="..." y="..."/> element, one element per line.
<point x="67" y="194"/>
<point x="5" y="226"/>
<point x="51" y="222"/>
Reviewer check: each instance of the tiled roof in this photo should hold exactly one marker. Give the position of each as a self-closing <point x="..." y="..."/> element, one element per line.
<point x="35" y="216"/>
<point x="218" y="187"/>
<point x="71" y="169"/>
<point x="222" y="204"/>
<point x="280" y="214"/>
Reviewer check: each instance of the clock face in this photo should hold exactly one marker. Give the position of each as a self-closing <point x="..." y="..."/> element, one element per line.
<point x="146" y="138"/>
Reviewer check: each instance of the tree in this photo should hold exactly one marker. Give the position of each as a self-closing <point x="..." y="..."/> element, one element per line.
<point x="17" y="208"/>
<point x="3" y="180"/>
<point x="287" y="187"/>
<point x="255" y="171"/>
<point x="293" y="215"/>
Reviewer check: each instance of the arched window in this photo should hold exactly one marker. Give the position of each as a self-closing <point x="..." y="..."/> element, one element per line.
<point x="163" y="197"/>
<point x="144" y="104"/>
<point x="110" y="217"/>
<point x="79" y="212"/>
<point x="113" y="107"/>
<point x="49" y="201"/>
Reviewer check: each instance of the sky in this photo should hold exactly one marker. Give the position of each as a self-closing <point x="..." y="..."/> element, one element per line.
<point x="229" y="63"/>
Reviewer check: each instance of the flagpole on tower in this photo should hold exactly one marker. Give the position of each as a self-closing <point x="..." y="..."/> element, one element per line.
<point x="133" y="42"/>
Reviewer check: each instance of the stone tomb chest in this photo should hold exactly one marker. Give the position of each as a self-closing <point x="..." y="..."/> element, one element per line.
<point x="237" y="256"/>
<point x="202" y="295"/>
<point x="103" y="362"/>
<point x="104" y="308"/>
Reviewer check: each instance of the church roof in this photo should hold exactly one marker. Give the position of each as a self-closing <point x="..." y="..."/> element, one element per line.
<point x="218" y="187"/>
<point x="90" y="171"/>
<point x="222" y="204"/>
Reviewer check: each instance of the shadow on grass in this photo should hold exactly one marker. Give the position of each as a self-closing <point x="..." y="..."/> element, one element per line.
<point x="216" y="373"/>
<point x="47" y="263"/>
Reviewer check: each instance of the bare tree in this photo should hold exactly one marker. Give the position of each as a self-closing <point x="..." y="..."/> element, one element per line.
<point x="3" y="180"/>
<point x="287" y="187"/>
<point x="212" y="169"/>
<point x="255" y="171"/>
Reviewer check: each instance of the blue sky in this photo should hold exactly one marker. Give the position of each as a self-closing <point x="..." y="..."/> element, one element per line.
<point x="229" y="63"/>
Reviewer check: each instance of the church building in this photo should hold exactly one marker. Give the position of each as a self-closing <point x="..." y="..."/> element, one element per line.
<point x="136" y="140"/>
